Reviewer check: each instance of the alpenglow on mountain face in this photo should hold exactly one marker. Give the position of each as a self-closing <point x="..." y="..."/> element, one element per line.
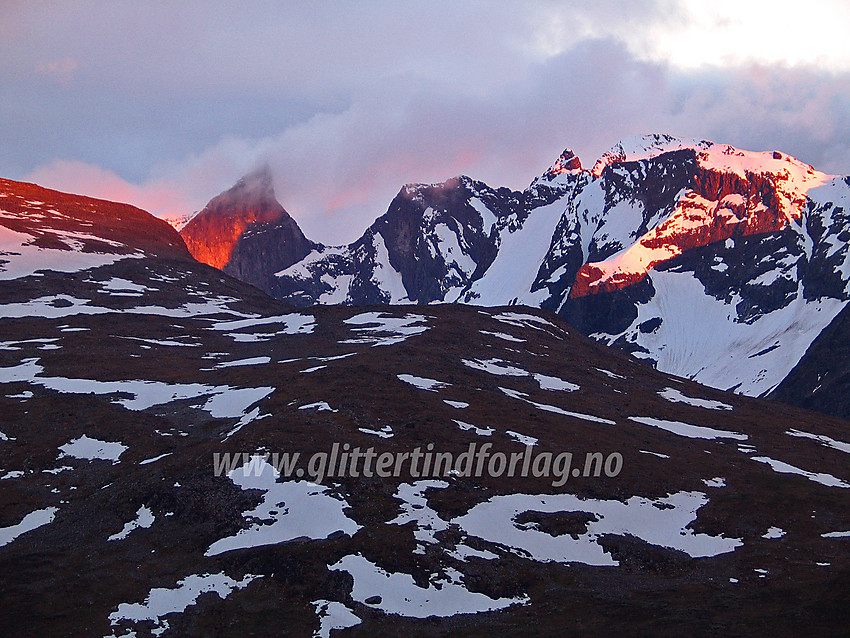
<point x="712" y="263"/>
<point x="246" y="232"/>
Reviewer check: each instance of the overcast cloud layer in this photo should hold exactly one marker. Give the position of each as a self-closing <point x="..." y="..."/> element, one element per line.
<point x="163" y="105"/>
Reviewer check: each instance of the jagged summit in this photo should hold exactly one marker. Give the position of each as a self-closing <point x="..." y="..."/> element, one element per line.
<point x="254" y="189"/>
<point x="731" y="193"/>
<point x="642" y="147"/>
<point x="415" y="190"/>
<point x="245" y="231"/>
<point x="568" y="162"/>
<point x="711" y="155"/>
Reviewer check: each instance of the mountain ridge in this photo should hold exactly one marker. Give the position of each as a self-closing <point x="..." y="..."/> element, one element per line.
<point x="751" y="238"/>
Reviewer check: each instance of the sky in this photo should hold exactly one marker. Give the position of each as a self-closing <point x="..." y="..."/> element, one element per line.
<point x="165" y="104"/>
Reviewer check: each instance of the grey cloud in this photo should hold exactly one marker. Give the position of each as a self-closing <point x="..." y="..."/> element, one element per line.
<point x="347" y="104"/>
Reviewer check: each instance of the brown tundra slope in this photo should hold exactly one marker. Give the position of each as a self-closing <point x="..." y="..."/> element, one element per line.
<point x="125" y="374"/>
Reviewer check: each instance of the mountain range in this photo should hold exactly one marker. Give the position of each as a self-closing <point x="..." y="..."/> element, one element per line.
<point x="711" y="263"/>
<point x="146" y="400"/>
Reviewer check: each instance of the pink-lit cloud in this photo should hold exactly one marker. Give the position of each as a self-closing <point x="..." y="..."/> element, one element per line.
<point x="85" y="179"/>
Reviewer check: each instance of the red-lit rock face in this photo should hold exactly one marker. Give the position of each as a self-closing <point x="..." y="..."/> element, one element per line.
<point x="733" y="193"/>
<point x="62" y="221"/>
<point x="567" y="162"/>
<point x="212" y="234"/>
<point x="246" y="233"/>
<point x="211" y="239"/>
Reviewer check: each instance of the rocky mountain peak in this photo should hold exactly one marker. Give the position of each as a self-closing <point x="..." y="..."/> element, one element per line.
<point x="566" y="163"/>
<point x="257" y="187"/>
<point x="245" y="231"/>
<point x="644" y="147"/>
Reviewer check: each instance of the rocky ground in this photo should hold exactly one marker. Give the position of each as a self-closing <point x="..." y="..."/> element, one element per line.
<point x="121" y="381"/>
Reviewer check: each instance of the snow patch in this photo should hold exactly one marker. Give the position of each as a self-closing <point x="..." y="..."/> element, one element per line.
<point x="252" y="361"/>
<point x="415" y="508"/>
<point x="460" y="405"/>
<point x="381" y="329"/>
<point x="162" y="601"/>
<point x="319" y="406"/>
<point x="782" y="467"/>
<point x="528" y="441"/>
<point x="92" y="449"/>
<point x="503" y="335"/>
<point x="296" y="509"/>
<point x="774" y="532"/>
<point x="293" y="323"/>
<point x="144" y="519"/>
<point x="822" y="439"/>
<point x="675" y="396"/>
<point x="663" y="522"/>
<point x="495" y="366"/>
<point x="688" y="430"/>
<point x="469" y="427"/>
<point x="516" y="394"/>
<point x="333" y="615"/>
<point x="399" y="594"/>
<point x="30" y="522"/>
<point x="20" y="258"/>
<point x="423" y="383"/>
<point x="554" y="383"/>
<point x="836" y="535"/>
<point x="386" y="432"/>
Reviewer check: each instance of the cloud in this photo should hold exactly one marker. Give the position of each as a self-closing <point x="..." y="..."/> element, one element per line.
<point x="171" y="105"/>
<point x="336" y="172"/>
<point x="733" y="33"/>
<point x="85" y="179"/>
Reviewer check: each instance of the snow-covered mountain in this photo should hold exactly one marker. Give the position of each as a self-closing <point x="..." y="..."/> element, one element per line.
<point x="713" y="263"/>
<point x="727" y="282"/>
<point x="459" y="240"/>
<point x="151" y="408"/>
<point x="431" y="244"/>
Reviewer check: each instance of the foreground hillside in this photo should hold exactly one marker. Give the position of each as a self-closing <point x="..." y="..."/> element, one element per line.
<point x="145" y="397"/>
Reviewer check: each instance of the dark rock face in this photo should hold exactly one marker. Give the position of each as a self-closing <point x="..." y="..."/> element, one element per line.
<point x="433" y="239"/>
<point x="827" y="223"/>
<point x="427" y="227"/>
<point x="246" y="232"/>
<point x="611" y="313"/>
<point x="821" y="379"/>
<point x="265" y="248"/>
